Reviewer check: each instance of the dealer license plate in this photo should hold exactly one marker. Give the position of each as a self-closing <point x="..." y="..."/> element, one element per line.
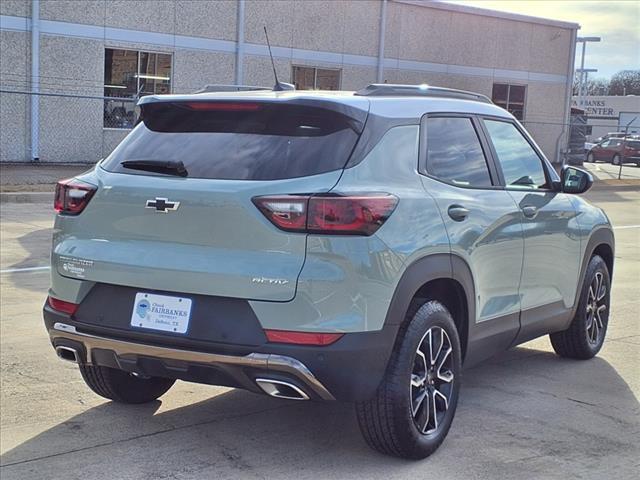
<point x="161" y="312"/>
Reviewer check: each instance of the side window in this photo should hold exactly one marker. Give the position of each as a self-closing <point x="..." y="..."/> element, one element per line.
<point x="521" y="165"/>
<point x="454" y="153"/>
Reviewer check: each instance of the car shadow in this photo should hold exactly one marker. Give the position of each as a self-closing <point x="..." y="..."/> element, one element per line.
<point x="37" y="245"/>
<point x="525" y="408"/>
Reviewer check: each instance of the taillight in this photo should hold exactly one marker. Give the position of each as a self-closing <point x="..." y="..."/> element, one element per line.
<point x="302" y="338"/>
<point x="62" y="306"/>
<point x="72" y="196"/>
<point x="328" y="214"/>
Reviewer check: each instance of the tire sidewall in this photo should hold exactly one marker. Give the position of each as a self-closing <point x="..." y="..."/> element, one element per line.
<point x="596" y="264"/>
<point x="616" y="160"/>
<point x="431" y="314"/>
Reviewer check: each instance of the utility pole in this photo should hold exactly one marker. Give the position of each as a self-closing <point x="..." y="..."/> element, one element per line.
<point x="584" y="41"/>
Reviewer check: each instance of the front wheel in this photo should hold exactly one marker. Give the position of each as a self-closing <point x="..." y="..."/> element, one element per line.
<point x="124" y="387"/>
<point x="412" y="410"/>
<point x="590" y="158"/>
<point x="585" y="335"/>
<point x="616" y="159"/>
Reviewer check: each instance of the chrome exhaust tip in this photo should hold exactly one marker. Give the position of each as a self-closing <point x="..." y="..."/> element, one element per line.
<point x="67" y="353"/>
<point x="280" y="389"/>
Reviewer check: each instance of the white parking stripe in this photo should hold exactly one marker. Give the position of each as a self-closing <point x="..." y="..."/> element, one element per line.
<point x="26" y="269"/>
<point x="621" y="227"/>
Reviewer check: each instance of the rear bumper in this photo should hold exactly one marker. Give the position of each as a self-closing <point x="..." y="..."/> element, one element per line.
<point x="349" y="370"/>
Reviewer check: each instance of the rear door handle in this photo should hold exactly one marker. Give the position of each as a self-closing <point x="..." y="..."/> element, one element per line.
<point x="458" y="212"/>
<point x="530" y="211"/>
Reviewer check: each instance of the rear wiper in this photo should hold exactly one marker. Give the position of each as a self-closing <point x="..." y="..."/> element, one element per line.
<point x="168" y="167"/>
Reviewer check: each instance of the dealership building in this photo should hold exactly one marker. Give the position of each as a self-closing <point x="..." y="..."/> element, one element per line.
<point x="70" y="71"/>
<point x="606" y="114"/>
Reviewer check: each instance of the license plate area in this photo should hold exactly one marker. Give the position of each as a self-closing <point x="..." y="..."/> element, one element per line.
<point x="161" y="312"/>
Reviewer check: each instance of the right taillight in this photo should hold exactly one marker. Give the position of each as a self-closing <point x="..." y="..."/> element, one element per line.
<point x="332" y="214"/>
<point x="72" y="196"/>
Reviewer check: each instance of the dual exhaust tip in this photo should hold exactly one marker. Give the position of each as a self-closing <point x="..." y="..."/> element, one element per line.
<point x="280" y="389"/>
<point x="68" y="353"/>
<point x="274" y="388"/>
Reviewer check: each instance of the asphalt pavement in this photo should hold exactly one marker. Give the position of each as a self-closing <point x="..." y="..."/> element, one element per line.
<point x="526" y="413"/>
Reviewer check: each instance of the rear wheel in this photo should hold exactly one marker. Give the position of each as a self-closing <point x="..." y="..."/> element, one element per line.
<point x="412" y="410"/>
<point x="585" y="335"/>
<point x="124" y="387"/>
<point x="616" y="159"/>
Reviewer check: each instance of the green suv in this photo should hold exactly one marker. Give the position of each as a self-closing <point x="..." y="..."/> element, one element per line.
<point x="359" y="247"/>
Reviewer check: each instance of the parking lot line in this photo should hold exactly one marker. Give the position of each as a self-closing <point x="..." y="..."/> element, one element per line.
<point x="25" y="269"/>
<point x="622" y="227"/>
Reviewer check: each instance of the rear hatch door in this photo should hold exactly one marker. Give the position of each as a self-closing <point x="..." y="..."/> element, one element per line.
<point x="155" y="228"/>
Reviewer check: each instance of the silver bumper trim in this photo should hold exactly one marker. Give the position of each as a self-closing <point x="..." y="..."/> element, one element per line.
<point x="272" y="362"/>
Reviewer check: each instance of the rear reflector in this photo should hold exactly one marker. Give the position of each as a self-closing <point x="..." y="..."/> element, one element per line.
<point x="328" y="214"/>
<point x="72" y="196"/>
<point x="302" y="338"/>
<point x="62" y="306"/>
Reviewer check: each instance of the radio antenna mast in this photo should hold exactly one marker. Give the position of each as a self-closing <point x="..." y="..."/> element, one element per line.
<point x="279" y="86"/>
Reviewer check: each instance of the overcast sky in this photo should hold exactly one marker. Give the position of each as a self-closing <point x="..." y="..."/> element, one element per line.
<point x="616" y="22"/>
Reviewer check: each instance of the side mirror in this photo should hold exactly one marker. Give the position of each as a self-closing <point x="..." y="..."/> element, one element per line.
<point x="575" y="180"/>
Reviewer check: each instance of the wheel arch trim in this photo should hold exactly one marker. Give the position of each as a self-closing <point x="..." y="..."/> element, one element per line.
<point x="439" y="266"/>
<point x="600" y="236"/>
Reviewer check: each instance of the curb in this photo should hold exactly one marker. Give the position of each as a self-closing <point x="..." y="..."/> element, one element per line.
<point x="26" y="197"/>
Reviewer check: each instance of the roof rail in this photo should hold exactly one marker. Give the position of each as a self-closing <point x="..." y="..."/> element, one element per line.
<point x="391" y="90"/>
<point x="229" y="88"/>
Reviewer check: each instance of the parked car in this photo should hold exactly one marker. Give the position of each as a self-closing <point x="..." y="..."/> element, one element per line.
<point x="325" y="246"/>
<point x="616" y="150"/>
<point x="609" y="136"/>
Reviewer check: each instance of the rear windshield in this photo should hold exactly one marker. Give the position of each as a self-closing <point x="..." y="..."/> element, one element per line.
<point x="239" y="141"/>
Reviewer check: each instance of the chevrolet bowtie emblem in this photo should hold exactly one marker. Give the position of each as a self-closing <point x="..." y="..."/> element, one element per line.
<point x="162" y="205"/>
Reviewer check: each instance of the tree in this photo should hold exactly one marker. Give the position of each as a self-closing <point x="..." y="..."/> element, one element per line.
<point x="625" y="82"/>
<point x="593" y="86"/>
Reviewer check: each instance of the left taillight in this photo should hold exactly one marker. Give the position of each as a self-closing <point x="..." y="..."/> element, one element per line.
<point x="62" y="306"/>
<point x="72" y="196"/>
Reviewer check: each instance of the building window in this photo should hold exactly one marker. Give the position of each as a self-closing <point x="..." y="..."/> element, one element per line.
<point x="510" y="97"/>
<point x="127" y="75"/>
<point x="312" y="78"/>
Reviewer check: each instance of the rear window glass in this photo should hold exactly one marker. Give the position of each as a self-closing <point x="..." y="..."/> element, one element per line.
<point x="239" y="141"/>
<point x="633" y="144"/>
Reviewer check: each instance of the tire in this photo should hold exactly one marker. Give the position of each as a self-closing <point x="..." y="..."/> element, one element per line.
<point x="585" y="335"/>
<point x="616" y="159"/>
<point x="123" y="387"/>
<point x="590" y="158"/>
<point x="387" y="421"/>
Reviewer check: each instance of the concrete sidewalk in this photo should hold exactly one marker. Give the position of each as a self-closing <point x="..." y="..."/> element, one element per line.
<point x="34" y="177"/>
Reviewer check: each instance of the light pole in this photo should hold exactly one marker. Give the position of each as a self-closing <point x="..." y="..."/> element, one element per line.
<point x="586" y="72"/>
<point x="584" y="41"/>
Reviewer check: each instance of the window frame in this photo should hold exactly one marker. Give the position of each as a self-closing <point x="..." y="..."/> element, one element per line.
<point x="509" y="85"/>
<point x="475" y="123"/>
<point x="553" y="181"/>
<point x="138" y="53"/>
<point x="315" y="74"/>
